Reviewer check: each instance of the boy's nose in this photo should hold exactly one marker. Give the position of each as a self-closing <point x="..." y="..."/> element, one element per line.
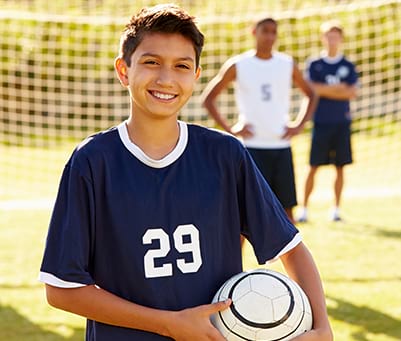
<point x="165" y="77"/>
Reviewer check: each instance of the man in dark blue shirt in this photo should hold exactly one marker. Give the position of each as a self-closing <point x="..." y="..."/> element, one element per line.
<point x="334" y="78"/>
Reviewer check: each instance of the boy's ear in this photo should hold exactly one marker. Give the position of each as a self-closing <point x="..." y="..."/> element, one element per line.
<point x="198" y="73"/>
<point x="121" y="69"/>
<point x="252" y="28"/>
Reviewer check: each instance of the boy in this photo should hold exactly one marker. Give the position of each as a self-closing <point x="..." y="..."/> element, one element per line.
<point x="334" y="78"/>
<point x="263" y="83"/>
<point x="147" y="220"/>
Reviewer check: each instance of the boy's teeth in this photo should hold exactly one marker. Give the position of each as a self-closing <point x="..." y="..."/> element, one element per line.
<point x="163" y="96"/>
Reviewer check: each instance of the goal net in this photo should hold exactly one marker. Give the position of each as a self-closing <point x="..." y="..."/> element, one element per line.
<point x="58" y="84"/>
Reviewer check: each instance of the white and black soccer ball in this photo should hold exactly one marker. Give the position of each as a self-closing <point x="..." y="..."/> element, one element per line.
<point x="266" y="305"/>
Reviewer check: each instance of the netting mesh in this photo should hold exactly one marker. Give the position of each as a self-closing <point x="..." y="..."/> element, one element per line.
<point x="58" y="82"/>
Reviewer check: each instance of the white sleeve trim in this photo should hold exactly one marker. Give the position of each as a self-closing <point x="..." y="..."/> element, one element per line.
<point x="47" y="278"/>
<point x="294" y="242"/>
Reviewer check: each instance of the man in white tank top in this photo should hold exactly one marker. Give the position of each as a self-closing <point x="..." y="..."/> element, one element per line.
<point x="263" y="82"/>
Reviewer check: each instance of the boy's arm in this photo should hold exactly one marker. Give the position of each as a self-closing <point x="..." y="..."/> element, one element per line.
<point x="226" y="75"/>
<point x="341" y="91"/>
<point x="301" y="267"/>
<point x="100" y="305"/>
<point x="308" y="104"/>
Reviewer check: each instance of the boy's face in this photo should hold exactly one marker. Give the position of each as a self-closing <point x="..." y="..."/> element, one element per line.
<point x="265" y="35"/>
<point x="162" y="74"/>
<point x="332" y="39"/>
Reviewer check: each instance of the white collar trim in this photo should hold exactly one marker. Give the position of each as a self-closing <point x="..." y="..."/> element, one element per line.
<point x="331" y="60"/>
<point x="141" y="156"/>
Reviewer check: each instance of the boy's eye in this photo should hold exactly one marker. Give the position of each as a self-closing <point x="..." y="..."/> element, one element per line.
<point x="183" y="66"/>
<point x="150" y="62"/>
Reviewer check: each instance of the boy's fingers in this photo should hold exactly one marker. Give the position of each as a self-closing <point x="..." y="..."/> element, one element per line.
<point x="218" y="306"/>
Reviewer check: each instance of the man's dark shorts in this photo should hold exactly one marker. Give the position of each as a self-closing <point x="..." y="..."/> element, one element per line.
<point x="276" y="166"/>
<point x="331" y="144"/>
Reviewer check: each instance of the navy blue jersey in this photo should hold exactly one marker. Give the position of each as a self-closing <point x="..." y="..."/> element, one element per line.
<point x="160" y="233"/>
<point x="332" y="71"/>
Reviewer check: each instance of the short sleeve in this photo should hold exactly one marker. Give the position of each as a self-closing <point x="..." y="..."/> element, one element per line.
<point x="307" y="72"/>
<point x="264" y="221"/>
<point x="69" y="244"/>
<point x="352" y="78"/>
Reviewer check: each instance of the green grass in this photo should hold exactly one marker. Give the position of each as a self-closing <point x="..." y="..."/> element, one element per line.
<point x="24" y="315"/>
<point x="358" y="259"/>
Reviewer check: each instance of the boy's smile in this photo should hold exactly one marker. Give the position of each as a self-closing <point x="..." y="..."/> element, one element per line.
<point x="161" y="76"/>
<point x="162" y="95"/>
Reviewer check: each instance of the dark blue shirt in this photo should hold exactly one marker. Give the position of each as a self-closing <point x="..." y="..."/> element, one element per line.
<point x="332" y="71"/>
<point x="160" y="233"/>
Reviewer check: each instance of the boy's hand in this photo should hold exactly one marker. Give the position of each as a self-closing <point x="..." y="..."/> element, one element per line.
<point x="245" y="131"/>
<point x="194" y="323"/>
<point x="291" y="130"/>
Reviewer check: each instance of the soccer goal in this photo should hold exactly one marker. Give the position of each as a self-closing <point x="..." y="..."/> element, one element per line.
<point x="58" y="84"/>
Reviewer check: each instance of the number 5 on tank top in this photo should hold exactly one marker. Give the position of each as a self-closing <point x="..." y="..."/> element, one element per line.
<point x="266" y="92"/>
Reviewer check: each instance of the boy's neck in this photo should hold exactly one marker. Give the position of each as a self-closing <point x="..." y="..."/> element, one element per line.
<point x="264" y="54"/>
<point x="157" y="138"/>
<point x="333" y="52"/>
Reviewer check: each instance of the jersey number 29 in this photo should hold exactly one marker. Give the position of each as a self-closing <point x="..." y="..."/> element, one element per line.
<point x="152" y="271"/>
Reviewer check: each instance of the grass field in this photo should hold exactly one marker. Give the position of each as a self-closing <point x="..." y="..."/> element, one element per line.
<point x="358" y="258"/>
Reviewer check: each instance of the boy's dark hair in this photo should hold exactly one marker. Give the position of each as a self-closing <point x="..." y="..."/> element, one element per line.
<point x="265" y="20"/>
<point x="167" y="18"/>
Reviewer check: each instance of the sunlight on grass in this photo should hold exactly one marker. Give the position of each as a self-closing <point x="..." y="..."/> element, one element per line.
<point x="356" y="257"/>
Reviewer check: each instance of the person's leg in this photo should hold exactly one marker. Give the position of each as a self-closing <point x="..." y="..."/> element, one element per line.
<point x="290" y="214"/>
<point x="242" y="242"/>
<point x="343" y="156"/>
<point x="309" y="184"/>
<point x="319" y="156"/>
<point x="338" y="188"/>
<point x="338" y="184"/>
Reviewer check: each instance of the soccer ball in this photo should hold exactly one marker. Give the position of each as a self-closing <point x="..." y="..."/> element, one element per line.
<point x="266" y="305"/>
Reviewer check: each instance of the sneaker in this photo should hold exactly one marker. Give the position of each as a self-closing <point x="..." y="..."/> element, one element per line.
<point x="335" y="215"/>
<point x="303" y="217"/>
<point x="302" y="220"/>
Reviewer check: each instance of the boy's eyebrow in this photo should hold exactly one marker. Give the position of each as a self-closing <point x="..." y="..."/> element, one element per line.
<point x="149" y="54"/>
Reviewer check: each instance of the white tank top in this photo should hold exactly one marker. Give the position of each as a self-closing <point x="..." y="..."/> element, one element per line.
<point x="263" y="92"/>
